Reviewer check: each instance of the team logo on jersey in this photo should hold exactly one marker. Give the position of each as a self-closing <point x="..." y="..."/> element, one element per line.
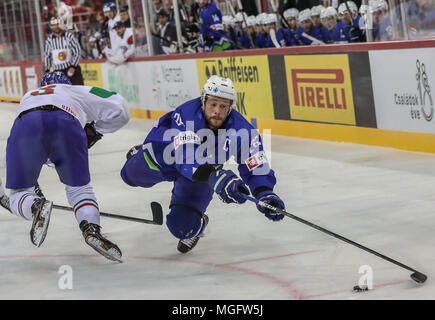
<point x="256" y="160"/>
<point x="61" y="55"/>
<point x="186" y="137"/>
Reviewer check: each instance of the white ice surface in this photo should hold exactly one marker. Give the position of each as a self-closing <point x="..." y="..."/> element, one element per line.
<point x="380" y="197"/>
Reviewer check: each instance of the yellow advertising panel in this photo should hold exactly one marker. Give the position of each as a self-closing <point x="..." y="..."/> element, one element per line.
<point x="251" y="79"/>
<point x="92" y="75"/>
<point x="319" y="88"/>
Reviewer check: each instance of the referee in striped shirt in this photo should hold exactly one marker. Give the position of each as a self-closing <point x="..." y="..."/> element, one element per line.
<point x="62" y="52"/>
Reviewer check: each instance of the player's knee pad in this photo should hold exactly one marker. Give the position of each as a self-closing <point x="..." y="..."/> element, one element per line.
<point x="184" y="221"/>
<point x="84" y="203"/>
<point x="21" y="202"/>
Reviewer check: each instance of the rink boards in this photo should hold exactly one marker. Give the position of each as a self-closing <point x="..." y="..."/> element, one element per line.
<point x="375" y="94"/>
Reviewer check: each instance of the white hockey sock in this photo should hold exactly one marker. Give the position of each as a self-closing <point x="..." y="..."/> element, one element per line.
<point x="84" y="203"/>
<point x="21" y="202"/>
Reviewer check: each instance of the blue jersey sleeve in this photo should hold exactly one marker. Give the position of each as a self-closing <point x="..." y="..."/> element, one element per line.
<point x="254" y="167"/>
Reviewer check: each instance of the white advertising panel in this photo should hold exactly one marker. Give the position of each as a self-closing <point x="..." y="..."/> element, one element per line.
<point x="153" y="85"/>
<point x="10" y="82"/>
<point x="404" y="89"/>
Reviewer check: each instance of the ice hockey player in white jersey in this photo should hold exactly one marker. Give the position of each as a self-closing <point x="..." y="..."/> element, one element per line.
<point x="59" y="122"/>
<point x="124" y="48"/>
<point x="107" y="28"/>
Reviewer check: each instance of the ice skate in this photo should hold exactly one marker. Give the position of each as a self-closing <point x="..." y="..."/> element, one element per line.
<point x="41" y="210"/>
<point x="4" y="202"/>
<point x="93" y="237"/>
<point x="186" y="245"/>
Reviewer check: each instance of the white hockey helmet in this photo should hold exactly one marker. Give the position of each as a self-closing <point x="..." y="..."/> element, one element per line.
<point x="378" y="6"/>
<point x="342" y="8"/>
<point x="260" y="18"/>
<point x="219" y="87"/>
<point x="251" y="21"/>
<point x="291" y="13"/>
<point x="228" y="21"/>
<point x="363" y="9"/>
<point x="241" y="17"/>
<point x="304" y="15"/>
<point x="316" y="10"/>
<point x="271" y="18"/>
<point x="328" y="12"/>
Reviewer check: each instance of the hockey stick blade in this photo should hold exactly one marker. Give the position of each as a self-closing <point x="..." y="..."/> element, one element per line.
<point x="416" y="275"/>
<point x="156" y="212"/>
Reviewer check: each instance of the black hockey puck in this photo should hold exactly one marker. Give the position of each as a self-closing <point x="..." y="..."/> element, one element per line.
<point x="360" y="288"/>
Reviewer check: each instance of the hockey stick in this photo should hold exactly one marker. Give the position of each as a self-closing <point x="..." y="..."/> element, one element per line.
<point x="416" y="275"/>
<point x="315" y="40"/>
<point x="156" y="210"/>
<point x="273" y="38"/>
<point x="239" y="4"/>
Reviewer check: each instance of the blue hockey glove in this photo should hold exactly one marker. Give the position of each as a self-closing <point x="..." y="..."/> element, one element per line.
<point x="271" y="198"/>
<point x="228" y="186"/>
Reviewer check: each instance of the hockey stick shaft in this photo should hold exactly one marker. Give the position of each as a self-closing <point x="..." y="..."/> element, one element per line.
<point x="114" y="216"/>
<point x="312" y="38"/>
<point x="416" y="276"/>
<point x="239" y="4"/>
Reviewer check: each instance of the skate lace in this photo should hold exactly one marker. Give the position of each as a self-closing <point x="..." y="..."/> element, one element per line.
<point x="4" y="201"/>
<point x="189" y="242"/>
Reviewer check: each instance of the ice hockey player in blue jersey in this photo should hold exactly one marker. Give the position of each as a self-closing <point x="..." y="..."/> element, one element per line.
<point x="307" y="32"/>
<point x="242" y="35"/>
<point x="351" y="21"/>
<point x="189" y="146"/>
<point x="317" y="22"/>
<point x="261" y="35"/>
<point x="291" y="17"/>
<point x="284" y="38"/>
<point x="337" y="31"/>
<point x="213" y="36"/>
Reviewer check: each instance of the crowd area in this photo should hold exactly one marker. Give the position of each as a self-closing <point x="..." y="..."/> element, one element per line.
<point x="104" y="29"/>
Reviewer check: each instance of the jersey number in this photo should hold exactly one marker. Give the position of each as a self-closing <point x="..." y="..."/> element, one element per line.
<point x="44" y="91"/>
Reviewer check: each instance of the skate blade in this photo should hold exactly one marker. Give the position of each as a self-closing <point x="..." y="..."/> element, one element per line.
<point x="40" y="225"/>
<point x="101" y="248"/>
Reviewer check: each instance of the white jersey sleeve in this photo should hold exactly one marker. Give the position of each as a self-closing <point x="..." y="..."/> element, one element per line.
<point x="108" y="109"/>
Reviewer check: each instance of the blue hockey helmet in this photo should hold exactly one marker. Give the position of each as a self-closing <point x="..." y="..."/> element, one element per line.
<point x="109" y="6"/>
<point x="55" y="77"/>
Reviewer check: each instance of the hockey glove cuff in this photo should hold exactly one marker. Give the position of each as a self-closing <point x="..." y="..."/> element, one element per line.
<point x="92" y="134"/>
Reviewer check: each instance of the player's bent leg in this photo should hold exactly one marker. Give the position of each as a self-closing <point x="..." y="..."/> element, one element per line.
<point x="21" y="202"/>
<point x="82" y="199"/>
<point x="141" y="170"/>
<point x="186" y="223"/>
<point x="26" y="204"/>
<point x="85" y="206"/>
<point x="187" y="220"/>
